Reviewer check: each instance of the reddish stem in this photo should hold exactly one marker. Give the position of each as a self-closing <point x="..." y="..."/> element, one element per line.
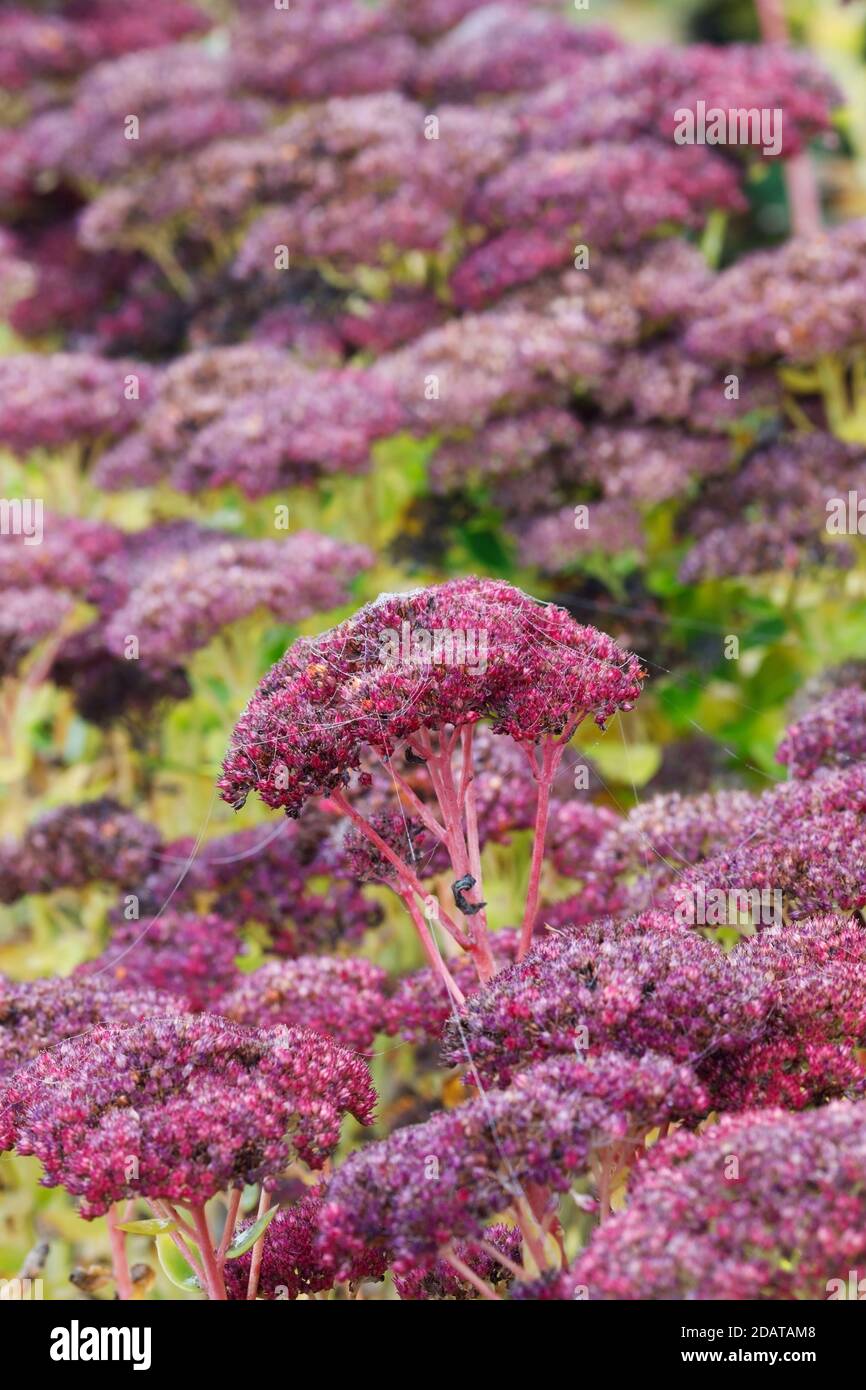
<point x="119" y="1260"/>
<point x="771" y="17"/>
<point x="234" y="1203"/>
<point x="404" y="872"/>
<point x="442" y="776"/>
<point x="604" y="1184"/>
<point x="467" y="768"/>
<point x="804" y="200"/>
<point x="258" y="1248"/>
<point x="461" y="1268"/>
<point x="174" y="1215"/>
<point x="164" y="1210"/>
<point x="528" y="1224"/>
<point x="423" y="812"/>
<point x="545" y="773"/>
<point x="489" y="1249"/>
<point x="216" y="1288"/>
<point x="430" y="948"/>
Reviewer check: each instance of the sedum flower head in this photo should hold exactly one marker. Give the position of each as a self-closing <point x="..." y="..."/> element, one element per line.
<point x="272" y="880"/>
<point x="831" y="734"/>
<point x="184" y="953"/>
<point x="340" y="996"/>
<point x="765" y="1205"/>
<point x="795" y="302"/>
<point x="180" y="605"/>
<point x="431" y="1183"/>
<point x="508" y="48"/>
<point x="28" y="616"/>
<point x="312" y="716"/>
<point x="418" y="1008"/>
<point x="817" y="1024"/>
<point x="50" y="400"/>
<point x="197" y="1102"/>
<point x="75" y="845"/>
<point x="442" y="1282"/>
<point x="291" y="1263"/>
<point x="37" y="1014"/>
<point x="635" y="986"/>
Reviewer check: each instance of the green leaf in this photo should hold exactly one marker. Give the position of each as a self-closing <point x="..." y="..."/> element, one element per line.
<point x="155" y="1226"/>
<point x="486" y="546"/>
<point x="219" y="688"/>
<point x="767" y="630"/>
<point x="174" y="1265"/>
<point x="626" y="764"/>
<point x="245" y="1240"/>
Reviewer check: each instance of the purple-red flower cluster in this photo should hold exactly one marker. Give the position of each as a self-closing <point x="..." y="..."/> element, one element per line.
<point x="181" y="1107"/>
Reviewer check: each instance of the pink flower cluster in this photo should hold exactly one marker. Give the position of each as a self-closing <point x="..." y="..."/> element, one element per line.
<point x="428" y="1184"/>
<point x="327" y="698"/>
<point x="767" y="1205"/>
<point x="171" y="588"/>
<point x="75" y="845"/>
<point x="181" y="1107"/>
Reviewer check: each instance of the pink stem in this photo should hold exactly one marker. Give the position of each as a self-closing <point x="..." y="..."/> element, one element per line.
<point x="517" y="1270"/>
<point x="423" y="812"/>
<point x="119" y="1261"/>
<point x="470" y="1276"/>
<point x="472" y="840"/>
<point x="604" y="1191"/>
<point x="229" y="1228"/>
<point x="216" y="1288"/>
<point x="197" y="1269"/>
<point x="403" y="870"/>
<point x="528" y="1226"/>
<point x="771" y="17"/>
<point x="177" y="1239"/>
<point x="430" y="949"/>
<point x="550" y="760"/>
<point x="474" y="846"/>
<point x="442" y="777"/>
<point x="467" y="768"/>
<point x="172" y="1212"/>
<point x="804" y="200"/>
<point x="258" y="1248"/>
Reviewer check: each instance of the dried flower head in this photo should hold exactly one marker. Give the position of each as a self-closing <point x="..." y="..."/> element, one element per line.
<point x="442" y="1282"/>
<point x="38" y="1014"/>
<point x="831" y="734"/>
<point x="75" y="845"/>
<point x="50" y="400"/>
<point x="183" y="953"/>
<point x="180" y="605"/>
<point x="291" y="1264"/>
